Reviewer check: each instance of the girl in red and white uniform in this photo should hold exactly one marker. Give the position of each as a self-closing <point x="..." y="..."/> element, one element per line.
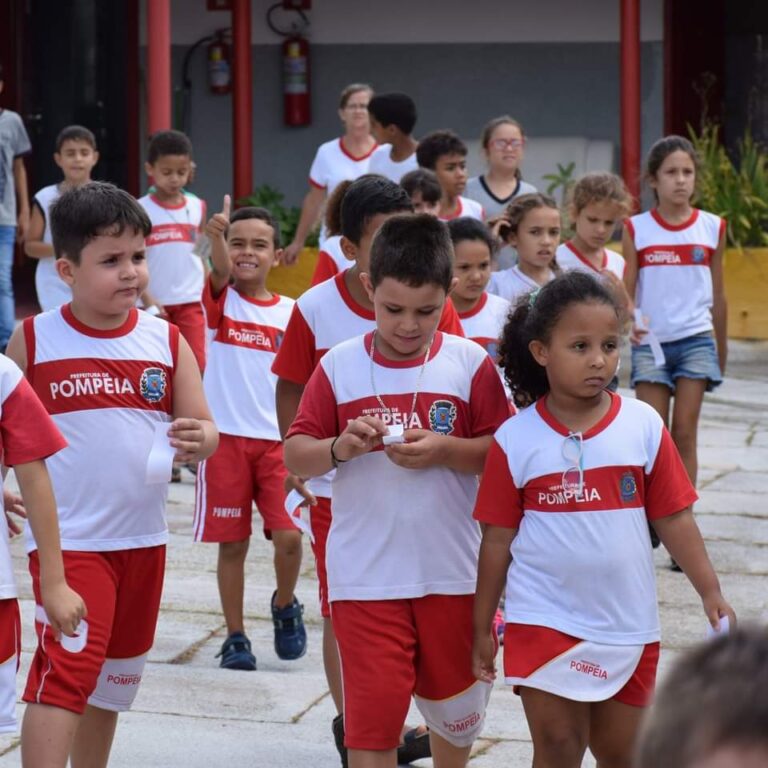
<point x="331" y="259"/>
<point x="344" y="158"/>
<point x="674" y="273"/>
<point x="568" y="488"/>
<point x="531" y="224"/>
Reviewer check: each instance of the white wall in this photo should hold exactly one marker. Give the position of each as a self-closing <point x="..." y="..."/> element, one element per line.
<point x="430" y="21"/>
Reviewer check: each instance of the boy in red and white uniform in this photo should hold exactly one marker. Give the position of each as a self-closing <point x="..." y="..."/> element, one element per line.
<point x="440" y="398"/>
<point x="446" y="154"/>
<point x="176" y="272"/>
<point x="27" y="437"/>
<point x="393" y="116"/>
<point x="323" y="317"/>
<point x="112" y="378"/>
<point x="247" y="324"/>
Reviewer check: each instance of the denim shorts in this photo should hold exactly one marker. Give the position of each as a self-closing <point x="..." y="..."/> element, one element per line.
<point x="694" y="357"/>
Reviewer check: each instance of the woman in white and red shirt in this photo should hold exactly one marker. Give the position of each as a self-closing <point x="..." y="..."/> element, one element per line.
<point x="343" y="158"/>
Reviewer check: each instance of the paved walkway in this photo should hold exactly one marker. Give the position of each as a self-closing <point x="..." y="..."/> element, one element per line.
<point x="191" y="713"/>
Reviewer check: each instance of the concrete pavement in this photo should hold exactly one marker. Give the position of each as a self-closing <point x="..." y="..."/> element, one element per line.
<point x="191" y="713"/>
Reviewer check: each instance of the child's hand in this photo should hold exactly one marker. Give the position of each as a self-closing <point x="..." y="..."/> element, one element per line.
<point x="187" y="437"/>
<point x="639" y="330"/>
<point x="484" y="657"/>
<point x="218" y="223"/>
<point x="422" y="448"/>
<point x="296" y="483"/>
<point x="715" y="607"/>
<point x="361" y="436"/>
<point x="13" y="503"/>
<point x="64" y="608"/>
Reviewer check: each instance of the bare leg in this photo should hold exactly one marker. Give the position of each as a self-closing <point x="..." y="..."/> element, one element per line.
<point x="287" y="564"/>
<point x="93" y="739"/>
<point x="445" y="754"/>
<point x="612" y="733"/>
<point x="559" y="729"/>
<point x="685" y="421"/>
<point x="369" y="758"/>
<point x="47" y="734"/>
<point x="658" y="396"/>
<point x="231" y="576"/>
<point x="332" y="665"/>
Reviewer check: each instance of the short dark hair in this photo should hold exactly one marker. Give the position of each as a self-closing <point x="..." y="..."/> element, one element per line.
<point x="465" y="228"/>
<point x="415" y="250"/>
<point x="395" y="109"/>
<point x="533" y="318"/>
<point x="436" y="144"/>
<point x="96" y="208"/>
<point x="367" y="197"/>
<point x="425" y="181"/>
<point x="75" y="133"/>
<point x="165" y="143"/>
<point x="333" y="208"/>
<point x="714" y="697"/>
<point x="262" y="214"/>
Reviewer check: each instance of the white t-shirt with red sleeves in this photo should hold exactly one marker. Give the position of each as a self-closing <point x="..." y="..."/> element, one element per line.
<point x="334" y="163"/>
<point x="513" y="283"/>
<point x="468" y="208"/>
<point x="238" y="382"/>
<point x="383" y="164"/>
<point x="583" y="564"/>
<point x="27" y="433"/>
<point x="106" y="392"/>
<point x="570" y="257"/>
<point x="402" y="533"/>
<point x="674" y="278"/>
<point x="175" y="272"/>
<point x="323" y="317"/>
<point x="330" y="260"/>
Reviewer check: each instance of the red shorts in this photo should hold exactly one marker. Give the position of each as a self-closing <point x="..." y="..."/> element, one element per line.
<point x="527" y="647"/>
<point x="121" y="590"/>
<point x="320" y="517"/>
<point x="10" y="654"/>
<point x="393" y="649"/>
<point x="241" y="471"/>
<point x="190" y="320"/>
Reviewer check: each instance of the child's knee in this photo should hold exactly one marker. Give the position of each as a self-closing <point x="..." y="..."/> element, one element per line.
<point x="562" y="743"/>
<point x="287" y="543"/>
<point x="233" y="550"/>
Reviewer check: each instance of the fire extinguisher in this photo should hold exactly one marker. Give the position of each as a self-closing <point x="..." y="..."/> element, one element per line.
<point x="219" y="65"/>
<point x="297" y="105"/>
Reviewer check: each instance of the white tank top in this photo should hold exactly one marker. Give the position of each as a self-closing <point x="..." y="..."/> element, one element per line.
<point x="51" y="290"/>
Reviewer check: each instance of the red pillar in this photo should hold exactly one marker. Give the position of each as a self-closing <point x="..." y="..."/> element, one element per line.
<point x="630" y="95"/>
<point x="242" y="107"/>
<point x="158" y="65"/>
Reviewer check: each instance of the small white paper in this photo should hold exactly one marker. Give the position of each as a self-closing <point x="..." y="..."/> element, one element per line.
<point x="293" y="501"/>
<point x="73" y="644"/>
<point x="725" y="627"/>
<point x="396" y="435"/>
<point x="650" y="338"/>
<point x="160" y="459"/>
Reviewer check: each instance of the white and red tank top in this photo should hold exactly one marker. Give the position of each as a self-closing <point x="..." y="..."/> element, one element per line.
<point x="106" y="391"/>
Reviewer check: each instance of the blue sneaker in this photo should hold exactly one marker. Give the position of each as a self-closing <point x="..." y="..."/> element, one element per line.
<point x="236" y="653"/>
<point x="290" y="635"/>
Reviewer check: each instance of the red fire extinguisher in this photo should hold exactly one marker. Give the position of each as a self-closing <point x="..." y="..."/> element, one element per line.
<point x="297" y="105"/>
<point x="219" y="65"/>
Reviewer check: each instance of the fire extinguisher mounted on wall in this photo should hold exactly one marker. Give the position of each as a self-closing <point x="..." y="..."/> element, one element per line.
<point x="297" y="99"/>
<point x="219" y="64"/>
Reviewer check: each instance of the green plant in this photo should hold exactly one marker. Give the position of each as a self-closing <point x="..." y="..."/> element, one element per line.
<point x="287" y="218"/>
<point x="737" y="191"/>
<point x="563" y="179"/>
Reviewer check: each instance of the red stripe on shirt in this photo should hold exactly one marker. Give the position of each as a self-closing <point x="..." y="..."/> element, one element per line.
<point x="688" y="255"/>
<point x="240" y="333"/>
<point x="69" y="385"/>
<point x="172" y="233"/>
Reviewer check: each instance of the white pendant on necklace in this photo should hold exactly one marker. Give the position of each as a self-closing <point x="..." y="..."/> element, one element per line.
<point x="396" y="435"/>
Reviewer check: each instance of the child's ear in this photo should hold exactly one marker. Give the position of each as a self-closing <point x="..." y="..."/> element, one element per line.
<point x="454" y="283"/>
<point x="539" y="352"/>
<point x="365" y="279"/>
<point x="148" y="169"/>
<point x="57" y="159"/>
<point x="348" y="248"/>
<point x="95" y="156"/>
<point x="278" y="256"/>
<point x="66" y="270"/>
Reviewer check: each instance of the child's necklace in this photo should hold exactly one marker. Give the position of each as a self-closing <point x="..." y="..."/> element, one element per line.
<point x="386" y="408"/>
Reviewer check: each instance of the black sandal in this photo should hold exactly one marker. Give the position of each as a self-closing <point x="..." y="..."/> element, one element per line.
<point x="415" y="746"/>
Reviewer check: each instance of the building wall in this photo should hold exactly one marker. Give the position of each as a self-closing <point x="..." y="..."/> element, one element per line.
<point x="557" y="71"/>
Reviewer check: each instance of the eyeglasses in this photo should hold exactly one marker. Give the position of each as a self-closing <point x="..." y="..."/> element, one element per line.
<point x="573" y="453"/>
<point x="507" y="143"/>
<point x="356" y="107"/>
